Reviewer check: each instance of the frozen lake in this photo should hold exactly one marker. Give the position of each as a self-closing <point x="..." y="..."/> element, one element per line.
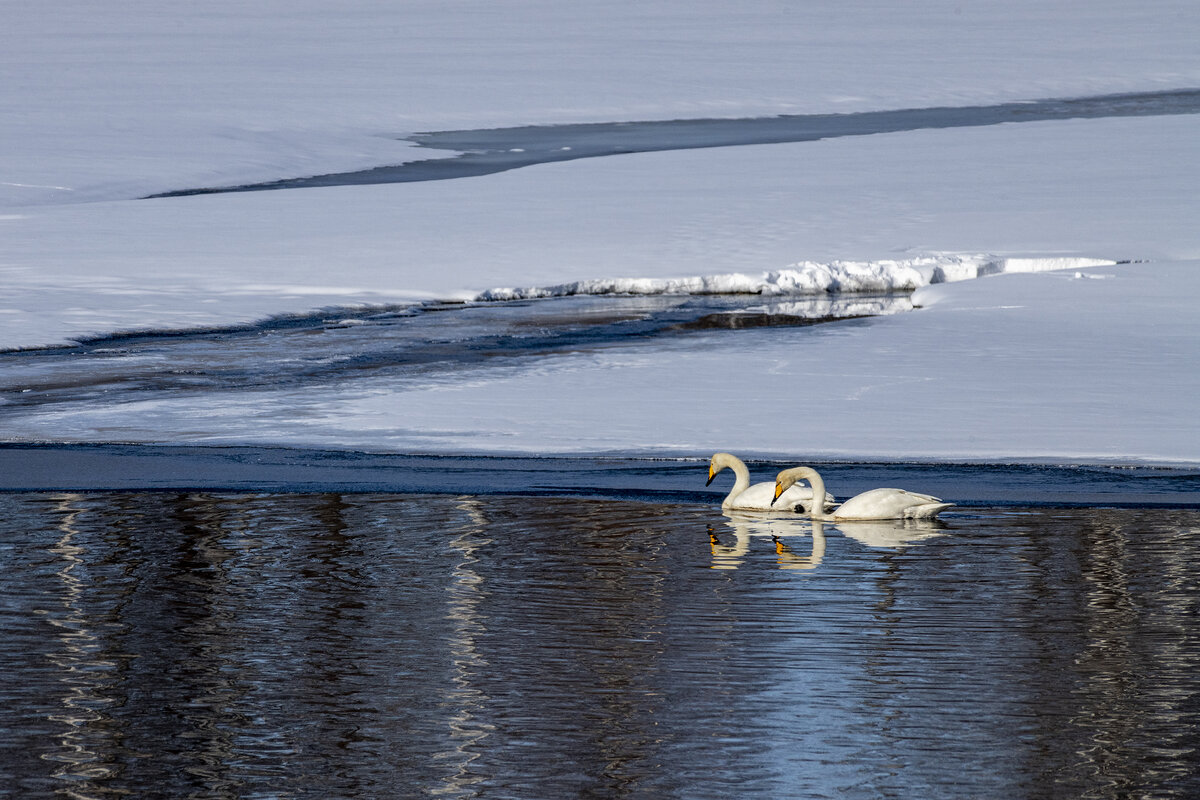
<point x="290" y="508"/>
<point x="487" y="151"/>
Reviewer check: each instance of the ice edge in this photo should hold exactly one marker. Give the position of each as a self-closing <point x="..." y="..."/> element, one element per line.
<point x="810" y="278"/>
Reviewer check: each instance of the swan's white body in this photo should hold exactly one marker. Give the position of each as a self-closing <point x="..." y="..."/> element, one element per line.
<point x="873" y="504"/>
<point x="760" y="496"/>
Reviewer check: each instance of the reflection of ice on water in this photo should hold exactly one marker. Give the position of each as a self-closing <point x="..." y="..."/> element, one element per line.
<point x="84" y="670"/>
<point x="793" y="310"/>
<point x="834" y="306"/>
<point x="465" y="701"/>
<point x="746" y="526"/>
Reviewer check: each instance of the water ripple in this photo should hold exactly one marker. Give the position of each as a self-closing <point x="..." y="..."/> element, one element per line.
<point x="326" y="645"/>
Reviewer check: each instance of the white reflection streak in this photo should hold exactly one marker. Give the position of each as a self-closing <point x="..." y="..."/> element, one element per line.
<point x="466" y="593"/>
<point x="892" y="534"/>
<point x="78" y="662"/>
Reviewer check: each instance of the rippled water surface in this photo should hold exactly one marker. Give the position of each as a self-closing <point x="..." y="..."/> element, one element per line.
<point x="326" y="645"/>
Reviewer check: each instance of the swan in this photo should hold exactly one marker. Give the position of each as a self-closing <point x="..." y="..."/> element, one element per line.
<point x="872" y="504"/>
<point x="760" y="496"/>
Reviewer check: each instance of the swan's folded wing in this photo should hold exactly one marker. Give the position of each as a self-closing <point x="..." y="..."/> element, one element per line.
<point x="887" y="503"/>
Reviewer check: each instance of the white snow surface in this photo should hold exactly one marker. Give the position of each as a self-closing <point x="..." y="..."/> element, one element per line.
<point x="105" y="103"/>
<point x="805" y="278"/>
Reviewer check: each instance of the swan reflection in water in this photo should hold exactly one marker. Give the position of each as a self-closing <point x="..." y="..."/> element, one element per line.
<point x="785" y="534"/>
<point x="747" y="527"/>
<point x="892" y="534"/>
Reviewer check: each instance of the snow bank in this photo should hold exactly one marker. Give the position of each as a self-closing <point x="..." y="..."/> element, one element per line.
<point x="809" y="277"/>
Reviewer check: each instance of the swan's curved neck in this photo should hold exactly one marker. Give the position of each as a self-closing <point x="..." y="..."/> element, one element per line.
<point x="818" y="489"/>
<point x="741" y="481"/>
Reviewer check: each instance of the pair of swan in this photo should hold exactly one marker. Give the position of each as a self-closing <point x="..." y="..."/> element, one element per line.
<point x="785" y="496"/>
<point x="760" y="496"/>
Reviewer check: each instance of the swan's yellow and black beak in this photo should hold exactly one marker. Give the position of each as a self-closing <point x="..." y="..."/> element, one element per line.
<point x="778" y="491"/>
<point x="711" y="475"/>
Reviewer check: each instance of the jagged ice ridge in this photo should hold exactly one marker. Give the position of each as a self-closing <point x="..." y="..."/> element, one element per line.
<point x="809" y="278"/>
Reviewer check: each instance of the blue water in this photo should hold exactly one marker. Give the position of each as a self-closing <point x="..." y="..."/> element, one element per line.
<point x="110" y="466"/>
<point x="326" y="348"/>
<point x="194" y="644"/>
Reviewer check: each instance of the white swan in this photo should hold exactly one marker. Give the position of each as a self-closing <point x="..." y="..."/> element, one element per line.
<point x="873" y="504"/>
<point x="760" y="496"/>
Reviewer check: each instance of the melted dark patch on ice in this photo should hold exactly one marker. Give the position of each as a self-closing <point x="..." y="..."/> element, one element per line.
<point x="335" y="345"/>
<point x="483" y="152"/>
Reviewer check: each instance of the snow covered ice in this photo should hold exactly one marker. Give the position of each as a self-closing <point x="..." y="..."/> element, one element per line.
<point x="837" y="277"/>
<point x="1003" y="359"/>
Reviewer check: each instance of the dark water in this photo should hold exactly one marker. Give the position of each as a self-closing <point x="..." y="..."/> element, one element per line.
<point x="488" y="151"/>
<point x="127" y="467"/>
<point x="437" y="339"/>
<point x="374" y="645"/>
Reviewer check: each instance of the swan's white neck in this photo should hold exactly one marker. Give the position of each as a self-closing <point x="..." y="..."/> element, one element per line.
<point x="818" y="488"/>
<point x="741" y="481"/>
